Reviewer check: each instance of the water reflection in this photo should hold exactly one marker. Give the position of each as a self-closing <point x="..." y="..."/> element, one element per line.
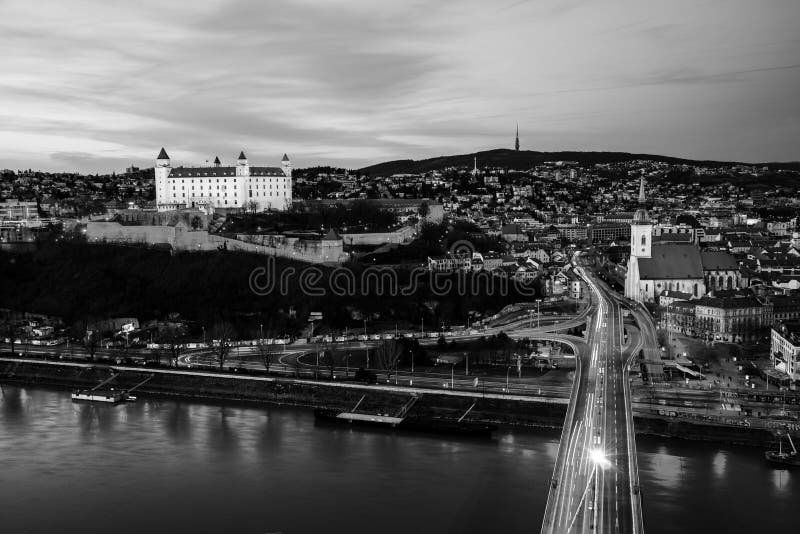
<point x="719" y="464"/>
<point x="208" y="468"/>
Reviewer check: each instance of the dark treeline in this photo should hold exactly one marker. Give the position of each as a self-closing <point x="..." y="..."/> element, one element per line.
<point x="75" y="281"/>
<point x="360" y="215"/>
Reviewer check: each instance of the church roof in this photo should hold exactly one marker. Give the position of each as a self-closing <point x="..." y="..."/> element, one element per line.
<point x="718" y="260"/>
<point x="671" y="237"/>
<point x="671" y="262"/>
<point x="162" y="154"/>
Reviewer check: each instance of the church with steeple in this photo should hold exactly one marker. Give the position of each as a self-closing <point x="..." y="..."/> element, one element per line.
<point x="655" y="268"/>
<point x="219" y="186"/>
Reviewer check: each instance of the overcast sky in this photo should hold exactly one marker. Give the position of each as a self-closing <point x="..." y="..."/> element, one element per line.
<point x="98" y="85"/>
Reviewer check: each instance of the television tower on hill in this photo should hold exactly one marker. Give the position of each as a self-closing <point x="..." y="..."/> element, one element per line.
<point x="516" y="141"/>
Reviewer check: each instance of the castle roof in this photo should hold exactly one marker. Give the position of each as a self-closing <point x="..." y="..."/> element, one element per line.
<point x="211" y="172"/>
<point x="162" y="154"/>
<point x="285" y="158"/>
<point x="216" y="160"/>
<point x="241" y="155"/>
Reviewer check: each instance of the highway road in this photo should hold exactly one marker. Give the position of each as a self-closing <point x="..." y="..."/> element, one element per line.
<point x="595" y="485"/>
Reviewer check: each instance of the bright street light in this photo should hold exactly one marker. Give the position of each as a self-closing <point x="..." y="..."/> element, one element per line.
<point x="598" y="456"/>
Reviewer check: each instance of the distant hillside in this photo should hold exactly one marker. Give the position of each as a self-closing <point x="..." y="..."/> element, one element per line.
<point x="526" y="159"/>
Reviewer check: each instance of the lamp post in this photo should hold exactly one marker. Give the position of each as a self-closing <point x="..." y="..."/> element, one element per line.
<point x="508" y="373"/>
<point x="538" y="315"/>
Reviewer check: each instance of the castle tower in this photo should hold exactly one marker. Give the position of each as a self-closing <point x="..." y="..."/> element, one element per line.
<point x="641" y="228"/>
<point x="162" y="170"/>
<point x="217" y="163"/>
<point x="516" y="141"/>
<point x="242" y="168"/>
<point x="286" y="165"/>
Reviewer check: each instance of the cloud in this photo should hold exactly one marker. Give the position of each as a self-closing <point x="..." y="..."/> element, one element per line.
<point x="95" y="84"/>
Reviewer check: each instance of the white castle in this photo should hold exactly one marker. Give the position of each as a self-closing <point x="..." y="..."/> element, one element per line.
<point x="242" y="186"/>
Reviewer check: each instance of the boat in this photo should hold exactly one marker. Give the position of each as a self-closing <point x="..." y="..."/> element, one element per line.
<point x="111" y="396"/>
<point x="402" y="422"/>
<point x="107" y="395"/>
<point x="781" y="457"/>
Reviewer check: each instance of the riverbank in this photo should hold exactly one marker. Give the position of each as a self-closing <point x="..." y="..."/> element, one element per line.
<point x="507" y="410"/>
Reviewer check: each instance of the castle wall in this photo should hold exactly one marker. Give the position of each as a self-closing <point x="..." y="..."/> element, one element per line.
<point x="399" y="236"/>
<point x="180" y="238"/>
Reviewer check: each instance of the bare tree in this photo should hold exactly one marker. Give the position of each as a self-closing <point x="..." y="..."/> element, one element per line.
<point x="265" y="351"/>
<point x="222" y="336"/>
<point x="9" y="329"/>
<point x="91" y="341"/>
<point x="387" y="355"/>
<point x="86" y="329"/>
<point x="173" y="339"/>
<point x="330" y="355"/>
<point x="251" y="206"/>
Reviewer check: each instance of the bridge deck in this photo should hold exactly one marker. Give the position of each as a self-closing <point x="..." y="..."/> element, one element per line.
<point x="595" y="486"/>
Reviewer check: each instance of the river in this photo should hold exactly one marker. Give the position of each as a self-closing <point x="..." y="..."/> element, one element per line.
<point x="165" y="466"/>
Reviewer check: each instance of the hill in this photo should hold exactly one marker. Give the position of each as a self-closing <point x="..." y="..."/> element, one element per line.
<point x="525" y="159"/>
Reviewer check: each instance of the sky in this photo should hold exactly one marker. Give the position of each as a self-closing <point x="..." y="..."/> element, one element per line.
<point x="95" y="86"/>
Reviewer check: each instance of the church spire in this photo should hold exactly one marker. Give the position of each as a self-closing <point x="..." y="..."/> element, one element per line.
<point x="516" y="141"/>
<point x="642" y="200"/>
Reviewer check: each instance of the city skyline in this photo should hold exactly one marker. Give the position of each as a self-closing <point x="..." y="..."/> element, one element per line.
<point x="93" y="87"/>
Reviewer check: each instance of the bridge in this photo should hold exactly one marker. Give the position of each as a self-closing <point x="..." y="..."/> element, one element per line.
<point x="595" y="484"/>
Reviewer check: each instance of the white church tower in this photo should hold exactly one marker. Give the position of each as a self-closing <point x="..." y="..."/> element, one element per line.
<point x="641" y="228"/>
<point x="641" y="245"/>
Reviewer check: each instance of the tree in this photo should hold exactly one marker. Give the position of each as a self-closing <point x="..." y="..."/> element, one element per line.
<point x="173" y="341"/>
<point x="330" y="355"/>
<point x="89" y="334"/>
<point x="196" y="223"/>
<point x="387" y="355"/>
<point x="423" y="210"/>
<point x="90" y="342"/>
<point x="251" y="207"/>
<point x="8" y="328"/>
<point x="222" y="336"/>
<point x="265" y="351"/>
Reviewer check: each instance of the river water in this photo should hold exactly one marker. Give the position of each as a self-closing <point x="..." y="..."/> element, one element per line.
<point x="167" y="466"/>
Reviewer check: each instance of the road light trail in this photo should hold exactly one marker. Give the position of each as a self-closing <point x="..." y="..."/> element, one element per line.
<point x="595" y="479"/>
